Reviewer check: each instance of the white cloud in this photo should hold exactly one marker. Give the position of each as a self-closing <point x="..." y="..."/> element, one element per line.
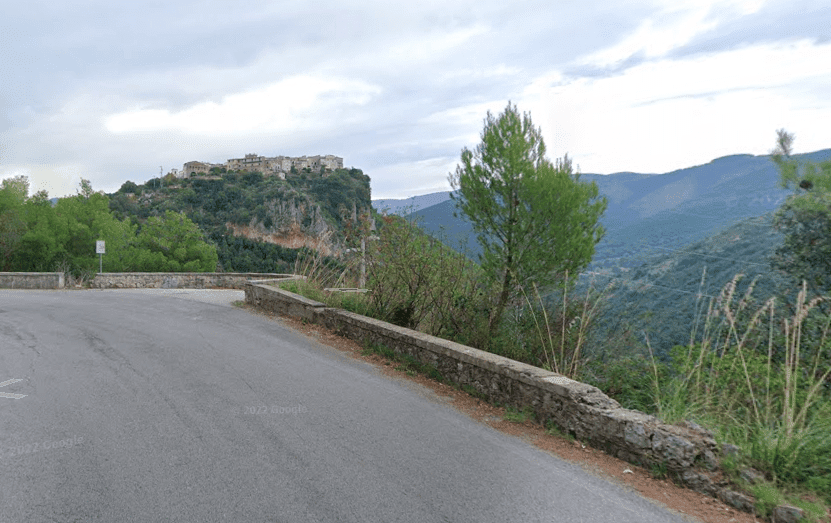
<point x="672" y="27"/>
<point x="421" y="48"/>
<point x="56" y="179"/>
<point x="299" y="102"/>
<point x="667" y="114"/>
<point x="395" y="89"/>
<point x="421" y="177"/>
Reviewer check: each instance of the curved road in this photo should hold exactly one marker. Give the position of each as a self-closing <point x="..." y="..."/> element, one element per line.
<point x="175" y="406"/>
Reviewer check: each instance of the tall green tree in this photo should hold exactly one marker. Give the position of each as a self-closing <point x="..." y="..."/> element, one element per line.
<point x="13" y="194"/>
<point x="805" y="217"/>
<point x="42" y="246"/>
<point x="86" y="215"/>
<point x="533" y="218"/>
<point x="173" y="243"/>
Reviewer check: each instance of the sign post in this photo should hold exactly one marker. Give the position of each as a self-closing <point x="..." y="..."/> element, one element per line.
<point x="100" y="251"/>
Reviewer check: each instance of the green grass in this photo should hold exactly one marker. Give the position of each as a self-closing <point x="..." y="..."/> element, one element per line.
<point x="772" y="402"/>
<point x="471" y="391"/>
<point x="353" y="302"/>
<point x="304" y="288"/>
<point x="767" y="497"/>
<point x="516" y="416"/>
<point x="552" y="430"/>
<point x="405" y="362"/>
<point x="659" y="470"/>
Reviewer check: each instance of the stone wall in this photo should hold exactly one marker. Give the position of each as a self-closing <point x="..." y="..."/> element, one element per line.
<point x="31" y="280"/>
<point x="178" y="280"/>
<point x="688" y="452"/>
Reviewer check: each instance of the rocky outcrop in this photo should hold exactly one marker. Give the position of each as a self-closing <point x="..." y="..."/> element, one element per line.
<point x="292" y="224"/>
<point x="291" y="238"/>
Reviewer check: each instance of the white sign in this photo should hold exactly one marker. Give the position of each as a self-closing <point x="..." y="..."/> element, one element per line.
<point x="99" y="247"/>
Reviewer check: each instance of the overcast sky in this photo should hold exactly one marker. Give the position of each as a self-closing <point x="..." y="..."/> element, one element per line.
<point x="112" y="91"/>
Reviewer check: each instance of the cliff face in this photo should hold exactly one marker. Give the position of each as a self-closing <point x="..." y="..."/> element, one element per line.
<point x="290" y="237"/>
<point x="289" y="216"/>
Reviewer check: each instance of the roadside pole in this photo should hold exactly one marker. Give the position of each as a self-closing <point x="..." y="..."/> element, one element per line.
<point x="99" y="250"/>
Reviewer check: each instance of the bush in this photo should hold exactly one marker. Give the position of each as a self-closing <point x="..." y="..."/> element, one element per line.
<point x="629" y="380"/>
<point x="416" y="281"/>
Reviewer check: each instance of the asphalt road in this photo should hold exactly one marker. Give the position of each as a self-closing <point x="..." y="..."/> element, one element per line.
<point x="175" y="406"/>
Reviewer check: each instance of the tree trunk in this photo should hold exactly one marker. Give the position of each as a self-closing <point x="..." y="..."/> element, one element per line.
<point x="496" y="318"/>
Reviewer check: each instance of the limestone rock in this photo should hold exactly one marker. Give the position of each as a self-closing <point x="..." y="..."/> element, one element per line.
<point x="787" y="514"/>
<point x="752" y="476"/>
<point x="737" y="500"/>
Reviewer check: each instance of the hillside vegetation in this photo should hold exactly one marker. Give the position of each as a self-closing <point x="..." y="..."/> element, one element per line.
<point x="273" y="218"/>
<point x="37" y="236"/>
<point x="694" y="309"/>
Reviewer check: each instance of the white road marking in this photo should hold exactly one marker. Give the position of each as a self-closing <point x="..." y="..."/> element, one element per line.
<point x="8" y="395"/>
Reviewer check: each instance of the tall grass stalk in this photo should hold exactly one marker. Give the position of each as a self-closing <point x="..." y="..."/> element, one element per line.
<point x="567" y="360"/>
<point x="775" y="404"/>
<point x="320" y="270"/>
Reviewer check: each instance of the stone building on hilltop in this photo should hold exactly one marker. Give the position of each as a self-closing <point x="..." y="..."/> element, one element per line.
<point x="194" y="169"/>
<point x="277" y="165"/>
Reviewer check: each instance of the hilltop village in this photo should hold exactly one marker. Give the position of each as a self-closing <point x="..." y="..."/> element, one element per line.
<point x="276" y="166"/>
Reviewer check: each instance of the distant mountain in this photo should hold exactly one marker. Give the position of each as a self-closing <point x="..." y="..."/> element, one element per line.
<point x="662" y="230"/>
<point x="647" y="212"/>
<point x="410" y="205"/>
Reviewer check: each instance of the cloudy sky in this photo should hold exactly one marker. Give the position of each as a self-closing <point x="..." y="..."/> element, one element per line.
<point x="112" y="91"/>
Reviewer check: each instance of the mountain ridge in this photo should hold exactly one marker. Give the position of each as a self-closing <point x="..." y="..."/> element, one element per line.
<point x="663" y="231"/>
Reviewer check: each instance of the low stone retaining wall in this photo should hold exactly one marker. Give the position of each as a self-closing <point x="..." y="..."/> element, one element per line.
<point x="178" y="280"/>
<point x="31" y="280"/>
<point x="689" y="453"/>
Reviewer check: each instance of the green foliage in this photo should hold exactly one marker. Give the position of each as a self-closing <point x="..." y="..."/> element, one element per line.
<point x="659" y="470"/>
<point x="805" y="217"/>
<point x="516" y="416"/>
<point x="532" y="218"/>
<point x="661" y="299"/>
<point x="552" y="430"/>
<point x="418" y="282"/>
<point x="629" y="380"/>
<point x="63" y="237"/>
<point x="339" y="193"/>
<point x="548" y="335"/>
<point x="42" y="245"/>
<point x="806" y="252"/>
<point x="407" y="363"/>
<point x="352" y="302"/>
<point x="86" y="216"/>
<point x="239" y="254"/>
<point x="173" y="244"/>
<point x="304" y="288"/>
<point x="129" y="187"/>
<point x="252" y="178"/>
<point x="773" y="402"/>
<point x="315" y="204"/>
<point x="13" y="193"/>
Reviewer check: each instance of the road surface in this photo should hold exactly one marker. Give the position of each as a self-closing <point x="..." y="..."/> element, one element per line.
<point x="173" y="405"/>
